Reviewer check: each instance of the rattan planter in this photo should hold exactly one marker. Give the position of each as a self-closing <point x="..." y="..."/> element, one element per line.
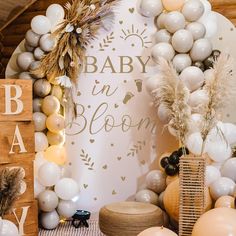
<point x="192" y="192"/>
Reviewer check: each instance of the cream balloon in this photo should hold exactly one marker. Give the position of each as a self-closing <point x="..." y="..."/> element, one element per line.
<point x="198" y="98"/>
<point x="222" y="187"/>
<point x="160" y="20"/>
<point x="41" y="142"/>
<point x="228" y="169"/>
<point x="7" y="228"/>
<point x="146" y="196"/>
<point x="47" y="201"/>
<point x="192" y="77"/>
<point x="153" y="83"/>
<point x="76" y="201"/>
<point x="49" y="220"/>
<point x="173" y="5"/>
<point x="225" y="201"/>
<point x="42" y="88"/>
<point x="216" y="222"/>
<point x="55" y="13"/>
<point x="41" y="24"/>
<point x="156" y="181"/>
<point x="55" y="123"/>
<point x="202" y="48"/>
<point x="28" y="48"/>
<point x="174" y="21"/>
<point x="150" y="8"/>
<point x="194" y="143"/>
<point x="56" y="138"/>
<point x="164" y="50"/>
<point x="38" y="53"/>
<point x="157" y="231"/>
<point x="212" y="175"/>
<point x="193" y="10"/>
<point x="50" y="105"/>
<point x="49" y="174"/>
<point x="181" y="61"/>
<point x="47" y="42"/>
<point x="182" y="41"/>
<point x="163" y="114"/>
<point x="162" y="36"/>
<point x="32" y="38"/>
<point x="66" y="208"/>
<point x="24" y="60"/>
<point x="39" y="121"/>
<point x="197" y="29"/>
<point x="37" y="103"/>
<point x="66" y="188"/>
<point x="57" y="92"/>
<point x="56" y="154"/>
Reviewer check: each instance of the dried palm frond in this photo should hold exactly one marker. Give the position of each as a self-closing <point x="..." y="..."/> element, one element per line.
<point x="83" y="19"/>
<point x="219" y="89"/>
<point x="173" y="94"/>
<point x="10" y="185"/>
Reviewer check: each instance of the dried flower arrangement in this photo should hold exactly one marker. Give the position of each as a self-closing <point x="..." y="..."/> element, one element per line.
<point x="10" y="185"/>
<point x="82" y="21"/>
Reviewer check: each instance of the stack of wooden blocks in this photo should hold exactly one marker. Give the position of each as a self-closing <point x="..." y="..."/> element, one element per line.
<point x="17" y="148"/>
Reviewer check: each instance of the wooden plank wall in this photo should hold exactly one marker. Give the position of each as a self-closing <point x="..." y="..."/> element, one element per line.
<point x="14" y="33"/>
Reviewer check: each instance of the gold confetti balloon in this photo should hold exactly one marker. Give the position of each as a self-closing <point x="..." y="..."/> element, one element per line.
<point x="57" y="92"/>
<point x="56" y="154"/>
<point x="50" y="105"/>
<point x="55" y="123"/>
<point x="225" y="201"/>
<point x="55" y="138"/>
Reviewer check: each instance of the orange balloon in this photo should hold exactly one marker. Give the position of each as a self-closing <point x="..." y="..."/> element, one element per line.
<point x="170" y="179"/>
<point x="225" y="201"/>
<point x="157" y="231"/>
<point x="56" y="154"/>
<point x="173" y="5"/>
<point x="216" y="222"/>
<point x="171" y="200"/>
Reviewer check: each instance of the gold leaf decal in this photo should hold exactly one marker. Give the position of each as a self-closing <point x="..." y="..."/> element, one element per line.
<point x="114" y="192"/>
<point x="106" y="42"/>
<point x="134" y="150"/>
<point x="87" y="160"/>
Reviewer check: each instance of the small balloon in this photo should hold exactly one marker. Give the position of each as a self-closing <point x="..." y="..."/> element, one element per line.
<point x="173" y="5"/>
<point x="198" y="98"/>
<point x="150" y="8"/>
<point x="156" y="181"/>
<point x="47" y="42"/>
<point x="66" y="208"/>
<point x="49" y="220"/>
<point x="160" y="21"/>
<point x="164" y="50"/>
<point x="212" y="174"/>
<point x="41" y="142"/>
<point x="42" y="87"/>
<point x="193" y="10"/>
<point x="41" y="24"/>
<point x="174" y="21"/>
<point x="50" y="105"/>
<point x="230" y="133"/>
<point x="37" y="103"/>
<point x="147" y="196"/>
<point x="55" y="123"/>
<point x="228" y="169"/>
<point x="38" y="53"/>
<point x="181" y="61"/>
<point x="163" y="114"/>
<point x="39" y="121"/>
<point x="56" y="138"/>
<point x="32" y="38"/>
<point x="57" y="92"/>
<point x="38" y="188"/>
<point x="8" y="228"/>
<point x="55" y="13"/>
<point x="66" y="188"/>
<point x="47" y="201"/>
<point x="194" y="143"/>
<point x="24" y="60"/>
<point x="25" y="75"/>
<point x="197" y="29"/>
<point x="39" y="161"/>
<point x="162" y="36"/>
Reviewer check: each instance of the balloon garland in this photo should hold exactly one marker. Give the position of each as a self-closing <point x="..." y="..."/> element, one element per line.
<point x="54" y="51"/>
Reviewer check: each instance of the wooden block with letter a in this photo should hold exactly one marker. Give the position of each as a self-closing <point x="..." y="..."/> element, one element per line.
<point x="15" y="100"/>
<point x="16" y="141"/>
<point x="25" y="217"/>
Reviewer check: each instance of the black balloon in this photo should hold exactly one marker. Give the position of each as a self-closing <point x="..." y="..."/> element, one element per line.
<point x="216" y="54"/>
<point x="171" y="170"/>
<point x="209" y="62"/>
<point x="164" y="162"/>
<point x="174" y="158"/>
<point x="200" y="65"/>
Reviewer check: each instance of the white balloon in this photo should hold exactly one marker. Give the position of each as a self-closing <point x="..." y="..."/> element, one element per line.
<point x="174" y="21"/>
<point x="182" y="61"/>
<point x="192" y="77"/>
<point x="55" y="13"/>
<point x="156" y="181"/>
<point x="150" y="8"/>
<point x="160" y="20"/>
<point x="197" y="29"/>
<point x="7" y="228"/>
<point x="197" y="121"/>
<point x="193" y="10"/>
<point x="222" y="187"/>
<point x="153" y="83"/>
<point x="66" y="208"/>
<point x="66" y="188"/>
<point x="217" y="165"/>
<point x="212" y="174"/>
<point x="38" y="188"/>
<point x="41" y="141"/>
<point x="218" y="151"/>
<point x="162" y="36"/>
<point x="49" y="174"/>
<point x="47" y="201"/>
<point x="164" y="50"/>
<point x="194" y="143"/>
<point x="47" y="42"/>
<point x="229" y="169"/>
<point x="49" y="220"/>
<point x="198" y="98"/>
<point x="39" y="161"/>
<point x="24" y="60"/>
<point x="32" y="38"/>
<point x="39" y="119"/>
<point x="207" y="8"/>
<point x="41" y="24"/>
<point x="230" y="133"/>
<point x="163" y="114"/>
<point x="76" y="201"/>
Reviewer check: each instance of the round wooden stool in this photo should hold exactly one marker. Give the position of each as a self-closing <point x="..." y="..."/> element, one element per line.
<point x="129" y="218"/>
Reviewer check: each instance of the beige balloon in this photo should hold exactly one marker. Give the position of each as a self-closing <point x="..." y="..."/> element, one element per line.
<point x="156" y="181"/>
<point x="174" y="21"/>
<point x="164" y="50"/>
<point x="55" y="123"/>
<point x="42" y="87"/>
<point x="55" y="138"/>
<point x="225" y="201"/>
<point x="57" y="92"/>
<point x="146" y="196"/>
<point x="50" y="105"/>
<point x="39" y="121"/>
<point x="182" y="41"/>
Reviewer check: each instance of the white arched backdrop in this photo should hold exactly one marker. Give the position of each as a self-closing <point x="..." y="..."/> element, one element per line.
<point x="113" y="143"/>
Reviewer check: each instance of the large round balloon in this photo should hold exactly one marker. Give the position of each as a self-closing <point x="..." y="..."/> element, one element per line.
<point x="216" y="222"/>
<point x="157" y="231"/>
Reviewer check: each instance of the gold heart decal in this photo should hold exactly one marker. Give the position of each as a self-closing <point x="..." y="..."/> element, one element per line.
<point x="91" y="140"/>
<point x="123" y="178"/>
<point x="121" y="22"/>
<point x="97" y="82"/>
<point x="85" y="186"/>
<point x="95" y="199"/>
<point x="79" y="93"/>
<point x="116" y="106"/>
<point x="131" y="10"/>
<point x="143" y="162"/>
<point x="118" y="158"/>
<point x="104" y="167"/>
<point x="114" y="192"/>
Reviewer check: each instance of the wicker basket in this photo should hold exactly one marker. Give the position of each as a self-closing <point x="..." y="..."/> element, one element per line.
<point x="192" y="192"/>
